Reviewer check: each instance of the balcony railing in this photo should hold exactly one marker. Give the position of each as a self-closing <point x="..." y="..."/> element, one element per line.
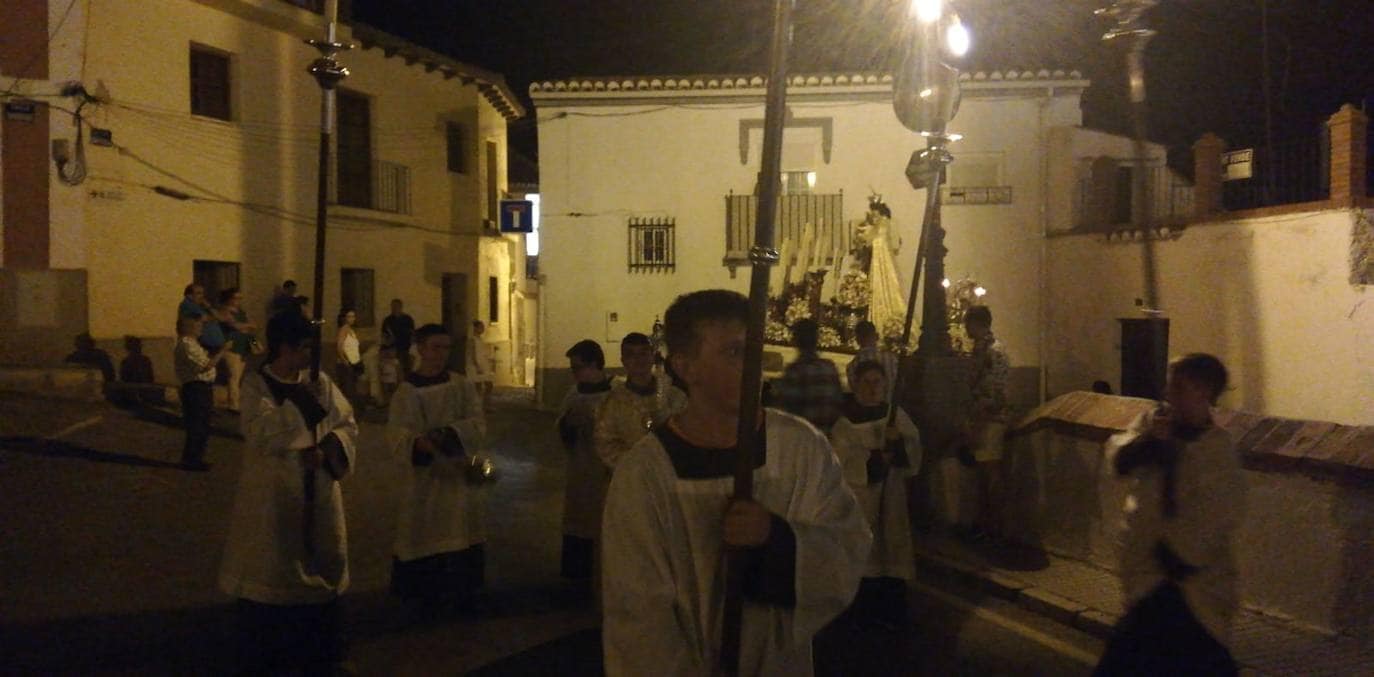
<point x="386" y="187"/>
<point x="1108" y="205"/>
<point x="1293" y="171"/>
<point x="825" y="214"/>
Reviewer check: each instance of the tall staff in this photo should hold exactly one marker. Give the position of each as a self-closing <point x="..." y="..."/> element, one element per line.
<point x="328" y="73"/>
<point x="761" y="256"/>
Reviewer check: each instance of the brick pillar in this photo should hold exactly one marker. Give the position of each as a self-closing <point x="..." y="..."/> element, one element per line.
<point x="1349" y="134"/>
<point x="1207" y="152"/>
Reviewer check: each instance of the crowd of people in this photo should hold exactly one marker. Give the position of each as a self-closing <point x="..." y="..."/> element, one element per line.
<point x="649" y="510"/>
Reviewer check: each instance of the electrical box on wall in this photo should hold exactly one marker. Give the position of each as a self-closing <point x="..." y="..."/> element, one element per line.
<point x="613" y="332"/>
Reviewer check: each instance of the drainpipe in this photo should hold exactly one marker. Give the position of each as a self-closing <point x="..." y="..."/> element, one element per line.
<point x="1045" y="187"/>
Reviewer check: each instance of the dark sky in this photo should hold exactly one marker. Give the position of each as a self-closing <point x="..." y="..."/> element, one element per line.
<point x="1205" y="69"/>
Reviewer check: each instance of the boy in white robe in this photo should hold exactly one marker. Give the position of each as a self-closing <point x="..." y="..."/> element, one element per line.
<point x="587" y="476"/>
<point x="670" y="517"/>
<point x="434" y="428"/>
<point x="634" y="407"/>
<point x="1187" y="502"/>
<point x="294" y="431"/>
<point x="878" y="459"/>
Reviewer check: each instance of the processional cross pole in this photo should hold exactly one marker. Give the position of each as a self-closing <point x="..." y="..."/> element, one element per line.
<point x="328" y="73"/>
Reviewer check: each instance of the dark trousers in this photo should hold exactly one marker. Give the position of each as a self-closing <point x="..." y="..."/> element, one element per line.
<point x="1159" y="635"/>
<point x="578" y="555"/>
<point x="197" y="402"/>
<point x="302" y="638"/>
<point x="450" y="577"/>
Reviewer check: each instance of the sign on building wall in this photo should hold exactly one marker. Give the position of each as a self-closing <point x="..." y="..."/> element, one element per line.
<point x="517" y="216"/>
<point x="1237" y="164"/>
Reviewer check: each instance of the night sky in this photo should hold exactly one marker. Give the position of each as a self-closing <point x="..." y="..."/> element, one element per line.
<point x="1205" y="69"/>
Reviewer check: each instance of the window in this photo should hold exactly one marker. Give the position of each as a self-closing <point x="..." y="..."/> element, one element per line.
<point x="976" y="179"/>
<point x="798" y="183"/>
<point x="652" y="245"/>
<point x="210" y="83"/>
<point x="493" y="186"/>
<point x="215" y="277"/>
<point x="355" y="150"/>
<point x="355" y="285"/>
<point x="453" y="136"/>
<point x="493" y="299"/>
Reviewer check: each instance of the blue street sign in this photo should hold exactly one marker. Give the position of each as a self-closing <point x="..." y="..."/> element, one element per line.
<point x="517" y="216"/>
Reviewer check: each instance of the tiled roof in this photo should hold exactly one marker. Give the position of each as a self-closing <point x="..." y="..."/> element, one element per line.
<point x="737" y="82"/>
<point x="491" y="85"/>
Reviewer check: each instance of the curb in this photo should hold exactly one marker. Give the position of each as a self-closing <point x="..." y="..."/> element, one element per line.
<point x="1065" y="611"/>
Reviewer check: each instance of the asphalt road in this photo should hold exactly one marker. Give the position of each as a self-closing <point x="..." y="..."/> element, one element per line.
<point x="109" y="552"/>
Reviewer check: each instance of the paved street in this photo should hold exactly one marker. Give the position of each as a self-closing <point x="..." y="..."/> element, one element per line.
<point x="109" y="551"/>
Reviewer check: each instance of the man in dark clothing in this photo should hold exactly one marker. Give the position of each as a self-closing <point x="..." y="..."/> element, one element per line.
<point x="398" y="329"/>
<point x="284" y="298"/>
<point x="88" y="355"/>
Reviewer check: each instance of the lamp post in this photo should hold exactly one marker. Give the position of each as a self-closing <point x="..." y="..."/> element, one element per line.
<point x="925" y="97"/>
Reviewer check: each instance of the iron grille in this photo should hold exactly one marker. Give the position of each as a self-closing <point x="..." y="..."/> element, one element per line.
<point x="652" y="245"/>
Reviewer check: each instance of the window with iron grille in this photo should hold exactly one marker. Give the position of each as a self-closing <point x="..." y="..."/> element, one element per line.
<point x="357" y="292"/>
<point x="652" y="244"/>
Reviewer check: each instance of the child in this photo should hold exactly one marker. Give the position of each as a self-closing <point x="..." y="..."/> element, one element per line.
<point x="195" y="370"/>
<point x="587" y="475"/>
<point x="670" y="518"/>
<point x="877" y="459"/>
<point x="435" y="427"/>
<point x="1186" y="503"/>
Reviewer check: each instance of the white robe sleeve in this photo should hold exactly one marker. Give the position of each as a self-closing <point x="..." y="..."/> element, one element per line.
<point x="833" y="537"/>
<point x="405" y="422"/>
<point x="643" y="633"/>
<point x="466" y="416"/>
<point x="1211" y="501"/>
<point x="278" y="429"/>
<point x="851" y="450"/>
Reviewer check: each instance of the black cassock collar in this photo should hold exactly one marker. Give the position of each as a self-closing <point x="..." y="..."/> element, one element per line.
<point x="691" y="462"/>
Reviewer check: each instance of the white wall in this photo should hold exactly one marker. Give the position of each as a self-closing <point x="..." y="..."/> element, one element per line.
<point x="1270" y="296"/>
<point x="602" y="164"/>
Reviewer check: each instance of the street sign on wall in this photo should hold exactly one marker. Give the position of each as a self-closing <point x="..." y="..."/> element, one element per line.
<point x="1237" y="164"/>
<point x="517" y="216"/>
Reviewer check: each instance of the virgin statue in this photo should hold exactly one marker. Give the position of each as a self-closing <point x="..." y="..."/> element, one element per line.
<point x="887" y="303"/>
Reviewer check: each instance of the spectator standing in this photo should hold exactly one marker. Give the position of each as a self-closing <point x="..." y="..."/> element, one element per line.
<point x="587" y="476"/>
<point x="283" y="298"/>
<point x="87" y="354"/>
<point x="398" y="328"/>
<point x="1185" y="505"/>
<point x="435" y="426"/>
<point x="195" y="370"/>
<point x="810" y="386"/>
<point x="288" y="611"/>
<point x="193" y="301"/>
<point x="239" y="334"/>
<point x="986" y="425"/>
<point x="481" y="365"/>
<point x="348" y="356"/>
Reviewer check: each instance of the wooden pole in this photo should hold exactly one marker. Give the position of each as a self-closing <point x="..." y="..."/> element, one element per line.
<point x="762" y="256"/>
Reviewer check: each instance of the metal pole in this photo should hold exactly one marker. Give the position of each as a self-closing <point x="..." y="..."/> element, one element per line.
<point x="762" y="256"/>
<point x="327" y="73"/>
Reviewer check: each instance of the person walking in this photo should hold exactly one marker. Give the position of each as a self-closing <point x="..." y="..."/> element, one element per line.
<point x="398" y="330"/>
<point x="481" y="365"/>
<point x="587" y="475"/>
<point x="810" y="386"/>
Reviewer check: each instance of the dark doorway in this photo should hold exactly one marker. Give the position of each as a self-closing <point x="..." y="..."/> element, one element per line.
<point x="215" y="276"/>
<point x="455" y="318"/>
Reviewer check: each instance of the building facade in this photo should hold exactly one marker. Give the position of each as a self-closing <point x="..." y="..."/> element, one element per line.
<point x="194" y="157"/>
<point x="661" y="172"/>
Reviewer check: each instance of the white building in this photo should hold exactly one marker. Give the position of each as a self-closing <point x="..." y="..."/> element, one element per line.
<point x="647" y="190"/>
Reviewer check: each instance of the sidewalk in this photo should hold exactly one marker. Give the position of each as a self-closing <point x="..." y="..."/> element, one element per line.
<point x="1089" y="598"/>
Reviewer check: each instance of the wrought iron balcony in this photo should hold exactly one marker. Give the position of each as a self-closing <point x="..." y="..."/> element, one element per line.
<point x="795" y="211"/>
<point x="379" y="185"/>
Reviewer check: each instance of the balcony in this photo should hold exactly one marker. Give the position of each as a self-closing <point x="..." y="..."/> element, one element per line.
<point x="377" y="185"/>
<point x="794" y="212"/>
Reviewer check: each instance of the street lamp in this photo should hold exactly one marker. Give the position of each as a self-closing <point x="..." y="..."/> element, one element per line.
<point x="925" y="97"/>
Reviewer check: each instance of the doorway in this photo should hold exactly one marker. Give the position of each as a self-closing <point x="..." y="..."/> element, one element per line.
<point x="455" y="318"/>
